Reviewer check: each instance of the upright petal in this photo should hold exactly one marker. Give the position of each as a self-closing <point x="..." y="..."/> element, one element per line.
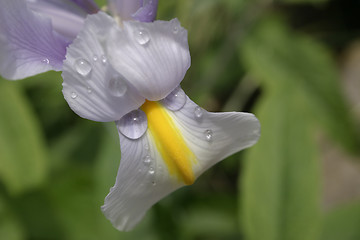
<point x="147" y="13"/>
<point x="178" y="146"/>
<point x="124" y="8"/>
<point x="88" y="5"/>
<point x="28" y="44"/>
<point x="92" y="87"/>
<point x="67" y="18"/>
<point x="141" y="10"/>
<point x="153" y="57"/>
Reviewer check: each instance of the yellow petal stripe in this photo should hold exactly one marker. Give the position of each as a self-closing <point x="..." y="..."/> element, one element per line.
<point x="169" y="142"/>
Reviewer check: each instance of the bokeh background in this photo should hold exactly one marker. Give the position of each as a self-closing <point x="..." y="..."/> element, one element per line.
<point x="294" y="63"/>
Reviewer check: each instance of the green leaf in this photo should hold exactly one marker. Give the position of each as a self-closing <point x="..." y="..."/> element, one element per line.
<point x="280" y="185"/>
<point x="107" y="161"/>
<point x="10" y="228"/>
<point x="343" y="223"/>
<point x="303" y="1"/>
<point x="23" y="155"/>
<point x="275" y="55"/>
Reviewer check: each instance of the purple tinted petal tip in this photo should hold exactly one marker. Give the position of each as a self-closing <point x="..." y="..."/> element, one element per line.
<point x="28" y="43"/>
<point x="147" y="13"/>
<point x="88" y="5"/>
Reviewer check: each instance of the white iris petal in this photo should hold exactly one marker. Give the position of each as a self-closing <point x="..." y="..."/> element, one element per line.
<point x="123" y="66"/>
<point x="144" y="176"/>
<point x="151" y="56"/>
<point x="109" y="71"/>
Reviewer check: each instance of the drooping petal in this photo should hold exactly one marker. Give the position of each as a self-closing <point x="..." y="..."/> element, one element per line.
<point x="214" y="136"/>
<point x="153" y="57"/>
<point x="92" y="87"/>
<point x="142" y="180"/>
<point x="177" y="147"/>
<point x="147" y="13"/>
<point x="67" y="17"/>
<point x="28" y="44"/>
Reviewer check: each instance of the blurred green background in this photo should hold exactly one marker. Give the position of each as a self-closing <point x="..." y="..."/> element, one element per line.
<point x="294" y="63"/>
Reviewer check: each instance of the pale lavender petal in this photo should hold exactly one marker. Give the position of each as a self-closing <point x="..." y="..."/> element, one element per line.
<point x="144" y="176"/>
<point x="88" y="5"/>
<point x="147" y="13"/>
<point x="92" y="87"/>
<point x="67" y="18"/>
<point x="140" y="10"/>
<point x="153" y="57"/>
<point x="28" y="44"/>
<point x="124" y="8"/>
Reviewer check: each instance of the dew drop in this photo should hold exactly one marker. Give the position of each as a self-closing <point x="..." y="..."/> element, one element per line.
<point x="153" y="183"/>
<point x="88" y="89"/>
<point x="117" y="85"/>
<point x="45" y="61"/>
<point x="83" y="67"/>
<point x="95" y="58"/>
<point x="147" y="160"/>
<point x="198" y="112"/>
<point x="133" y="125"/>
<point x="175" y="29"/>
<point x="175" y="26"/>
<point x="73" y="95"/>
<point x="175" y="100"/>
<point x="208" y="135"/>
<point x="142" y="36"/>
<point x="103" y="59"/>
<point x="151" y="171"/>
<point x="146" y="147"/>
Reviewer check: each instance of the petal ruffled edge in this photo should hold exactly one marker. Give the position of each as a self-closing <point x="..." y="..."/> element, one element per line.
<point x="214" y="136"/>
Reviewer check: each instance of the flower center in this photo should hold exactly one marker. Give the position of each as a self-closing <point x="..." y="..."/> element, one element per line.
<point x="169" y="142"/>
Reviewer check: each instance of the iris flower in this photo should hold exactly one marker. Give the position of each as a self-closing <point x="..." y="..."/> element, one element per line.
<point x="125" y="68"/>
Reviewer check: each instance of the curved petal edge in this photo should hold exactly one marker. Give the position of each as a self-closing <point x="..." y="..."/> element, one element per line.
<point x="92" y="87"/>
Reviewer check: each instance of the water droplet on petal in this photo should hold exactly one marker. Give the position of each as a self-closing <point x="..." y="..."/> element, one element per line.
<point x="208" y="135"/>
<point x="83" y="67"/>
<point x="103" y="59"/>
<point x="147" y="160"/>
<point x="198" y="112"/>
<point x="95" y="58"/>
<point x="151" y="171"/>
<point x="73" y="95"/>
<point x="45" y="60"/>
<point x="175" y="100"/>
<point x="142" y="36"/>
<point x="175" y="26"/>
<point x="117" y="85"/>
<point x="133" y="125"/>
<point x="88" y="89"/>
